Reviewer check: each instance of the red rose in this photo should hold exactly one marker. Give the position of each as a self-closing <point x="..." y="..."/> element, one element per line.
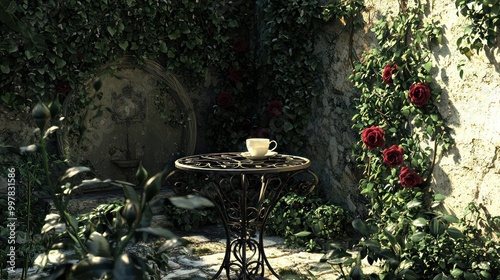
<point x="389" y="69"/>
<point x="274" y="108"/>
<point x="225" y="99"/>
<point x="373" y="137"/>
<point x="393" y="156"/>
<point x="63" y="88"/>
<point x="239" y="43"/>
<point x="235" y="75"/>
<point x="419" y="94"/>
<point x="409" y="178"/>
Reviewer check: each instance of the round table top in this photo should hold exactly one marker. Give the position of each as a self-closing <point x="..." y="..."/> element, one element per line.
<point x="235" y="162"/>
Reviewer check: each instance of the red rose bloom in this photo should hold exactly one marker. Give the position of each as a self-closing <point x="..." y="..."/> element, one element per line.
<point x="235" y="75"/>
<point x="393" y="156"/>
<point x="419" y="94"/>
<point x="409" y="178"/>
<point x="225" y="99"/>
<point x="274" y="108"/>
<point x="239" y="43"/>
<point x="389" y="69"/>
<point x="373" y="137"/>
<point x="63" y="88"/>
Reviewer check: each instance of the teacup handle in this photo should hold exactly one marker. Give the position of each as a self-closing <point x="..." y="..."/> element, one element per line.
<point x="275" y="145"/>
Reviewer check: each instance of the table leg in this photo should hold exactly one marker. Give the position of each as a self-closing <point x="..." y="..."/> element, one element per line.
<point x="244" y="203"/>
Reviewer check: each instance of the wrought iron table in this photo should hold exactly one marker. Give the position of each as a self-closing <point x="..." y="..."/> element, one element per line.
<point x="244" y="192"/>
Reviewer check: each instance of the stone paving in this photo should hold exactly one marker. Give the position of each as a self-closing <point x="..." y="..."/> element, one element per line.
<point x="207" y="263"/>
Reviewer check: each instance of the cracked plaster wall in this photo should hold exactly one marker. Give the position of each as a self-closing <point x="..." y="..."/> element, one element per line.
<point x="471" y="170"/>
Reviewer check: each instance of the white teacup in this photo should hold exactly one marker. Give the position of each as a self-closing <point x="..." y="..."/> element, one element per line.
<point x="258" y="147"/>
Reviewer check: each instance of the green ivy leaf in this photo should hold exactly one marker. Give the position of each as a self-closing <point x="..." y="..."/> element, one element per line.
<point x="287" y="126"/>
<point x="123" y="45"/>
<point x="111" y="31"/>
<point x="5" y="69"/>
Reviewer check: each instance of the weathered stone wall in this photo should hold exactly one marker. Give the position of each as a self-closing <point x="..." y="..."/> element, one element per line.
<point x="471" y="170"/>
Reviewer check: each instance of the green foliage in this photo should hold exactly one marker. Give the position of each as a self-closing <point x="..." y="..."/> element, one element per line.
<point x="483" y="25"/>
<point x="307" y="221"/>
<point x="408" y="233"/>
<point x="28" y="195"/>
<point x="276" y="70"/>
<point x="190" y="219"/>
<point x="100" y="237"/>
<point x="258" y="52"/>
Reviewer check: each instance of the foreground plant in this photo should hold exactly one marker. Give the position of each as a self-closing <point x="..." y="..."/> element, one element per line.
<point x="100" y="241"/>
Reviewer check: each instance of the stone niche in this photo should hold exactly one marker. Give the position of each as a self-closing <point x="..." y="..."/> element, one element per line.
<point x="141" y="113"/>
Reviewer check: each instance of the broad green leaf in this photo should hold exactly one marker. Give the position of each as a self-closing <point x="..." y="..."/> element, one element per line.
<point x="451" y="219"/>
<point x="5" y="69"/>
<point x="97" y="245"/>
<point x="72" y="171"/>
<point x="288" y="126"/>
<point x="91" y="268"/>
<point x="131" y="194"/>
<point x="128" y="267"/>
<point x="419" y="222"/>
<point x="191" y="202"/>
<point x="416" y="237"/>
<point x="439" y="197"/>
<point x="413" y="204"/>
<point x="455" y="233"/>
<point x="456" y="272"/>
<point x="428" y="66"/>
<point x="303" y="233"/>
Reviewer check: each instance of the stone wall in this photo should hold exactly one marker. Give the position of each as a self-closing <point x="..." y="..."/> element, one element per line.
<point x="471" y="170"/>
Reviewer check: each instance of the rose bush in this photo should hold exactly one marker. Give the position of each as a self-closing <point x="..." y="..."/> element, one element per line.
<point x="393" y="156"/>
<point x="225" y="99"/>
<point x="373" y="137"/>
<point x="419" y="94"/>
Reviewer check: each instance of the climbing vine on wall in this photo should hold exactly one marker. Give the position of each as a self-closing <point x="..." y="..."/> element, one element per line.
<point x="402" y="135"/>
<point x="273" y="75"/>
<point x="482" y="29"/>
<point x="259" y="55"/>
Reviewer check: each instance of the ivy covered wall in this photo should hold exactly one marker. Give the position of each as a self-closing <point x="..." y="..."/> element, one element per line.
<point x="470" y="103"/>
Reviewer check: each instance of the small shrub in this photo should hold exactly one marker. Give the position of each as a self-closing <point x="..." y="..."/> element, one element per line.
<point x="307" y="221"/>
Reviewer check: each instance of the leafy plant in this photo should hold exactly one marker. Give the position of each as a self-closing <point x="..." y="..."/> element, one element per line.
<point x="307" y="221"/>
<point x="28" y="193"/>
<point x="408" y="232"/>
<point x="101" y="237"/>
<point x="483" y="25"/>
<point x="189" y="219"/>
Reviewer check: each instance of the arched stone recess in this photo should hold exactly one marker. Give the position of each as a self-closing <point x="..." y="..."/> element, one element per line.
<point x="139" y="113"/>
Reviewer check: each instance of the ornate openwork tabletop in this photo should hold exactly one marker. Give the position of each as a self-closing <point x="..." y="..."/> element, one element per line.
<point x="236" y="163"/>
<point x="244" y="192"/>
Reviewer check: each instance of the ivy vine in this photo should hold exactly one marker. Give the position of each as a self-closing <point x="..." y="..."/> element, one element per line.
<point x="260" y="55"/>
<point x="482" y="29"/>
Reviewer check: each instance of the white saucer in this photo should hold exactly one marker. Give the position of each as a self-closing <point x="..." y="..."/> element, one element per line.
<point x="267" y="155"/>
